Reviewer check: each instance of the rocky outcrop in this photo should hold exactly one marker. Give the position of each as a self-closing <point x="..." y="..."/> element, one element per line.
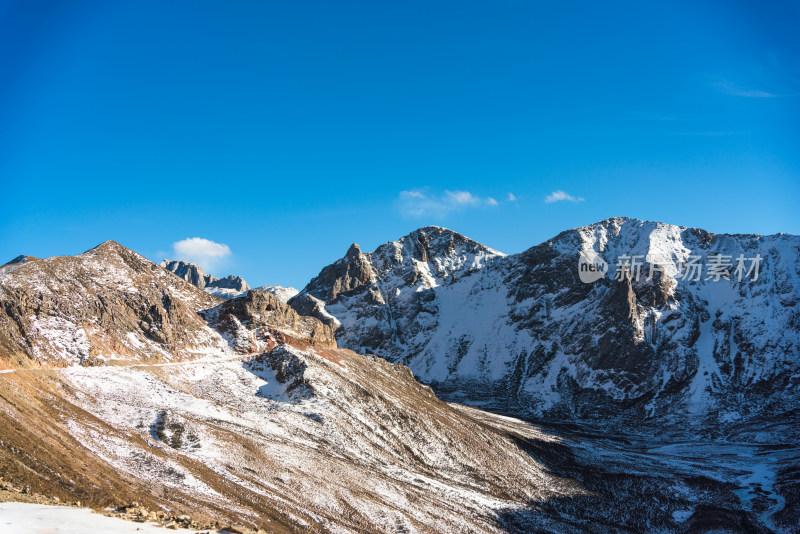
<point x="193" y="273"/>
<point x="380" y="295"/>
<point x="253" y="319"/>
<point x="225" y="288"/>
<point x="235" y="283"/>
<point x="347" y="274"/>
<point x="524" y="335"/>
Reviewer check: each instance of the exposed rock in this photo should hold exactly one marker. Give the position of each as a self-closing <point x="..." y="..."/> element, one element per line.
<point x="259" y="314"/>
<point x="346" y="274"/>
<point x="193" y="273"/>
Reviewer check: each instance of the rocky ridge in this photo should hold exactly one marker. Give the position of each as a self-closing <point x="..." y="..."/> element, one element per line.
<point x="194" y="274"/>
<point x="225" y="288"/>
<point x="522" y="334"/>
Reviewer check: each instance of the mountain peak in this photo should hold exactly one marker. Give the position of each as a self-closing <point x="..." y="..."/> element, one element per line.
<point x="620" y="221"/>
<point x="434" y="228"/>
<point x="165" y="263"/>
<point x="353" y="252"/>
<point x="109" y="249"/>
<point x="112" y="247"/>
<point x="107" y="245"/>
<point x="108" y="303"/>
<point x="426" y="257"/>
<point x="437" y="240"/>
<point x="22" y="258"/>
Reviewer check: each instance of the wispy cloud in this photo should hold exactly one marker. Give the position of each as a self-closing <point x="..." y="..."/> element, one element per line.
<point x="511" y="197"/>
<point x="558" y="196"/>
<point x="423" y="203"/>
<point x="461" y="198"/>
<point x="208" y="254"/>
<point x="726" y="87"/>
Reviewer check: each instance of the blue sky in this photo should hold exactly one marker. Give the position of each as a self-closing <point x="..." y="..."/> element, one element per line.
<point x="284" y="131"/>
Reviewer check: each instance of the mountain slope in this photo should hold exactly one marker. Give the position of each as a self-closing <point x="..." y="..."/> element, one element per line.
<point x="108" y="303"/>
<point x="522" y="334"/>
<point x="299" y="437"/>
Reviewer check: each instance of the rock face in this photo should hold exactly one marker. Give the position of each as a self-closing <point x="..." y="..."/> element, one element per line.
<point x="193" y="273"/>
<point x="251" y="320"/>
<point x="108" y="303"/>
<point x="522" y="334"/>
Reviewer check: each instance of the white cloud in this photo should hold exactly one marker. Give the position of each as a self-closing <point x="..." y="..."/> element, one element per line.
<point x="463" y="198"/>
<point x="511" y="197"/>
<point x="728" y="88"/>
<point x="423" y="203"/>
<point x="208" y="254"/>
<point x="558" y="196"/>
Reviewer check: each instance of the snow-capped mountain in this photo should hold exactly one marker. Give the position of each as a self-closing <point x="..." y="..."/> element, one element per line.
<point x="121" y="382"/>
<point x="522" y="334"/>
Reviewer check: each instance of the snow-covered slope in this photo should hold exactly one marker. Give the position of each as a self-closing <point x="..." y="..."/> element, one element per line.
<point x="27" y="518"/>
<point x="523" y="334"/>
<point x="322" y="439"/>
